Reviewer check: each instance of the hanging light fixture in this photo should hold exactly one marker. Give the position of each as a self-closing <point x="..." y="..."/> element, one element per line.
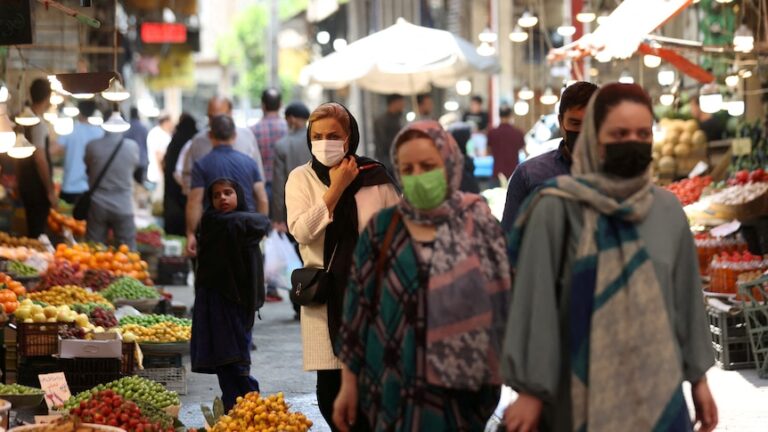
<point x="463" y="87"/>
<point x="525" y="93"/>
<point x="735" y="107"/>
<point x="667" y="99"/>
<point x="115" y="92"/>
<point x="27" y="118"/>
<point x="724" y="1"/>
<point x="96" y="119"/>
<point x="603" y="18"/>
<point x="83" y="96"/>
<point x="323" y="37"/>
<point x="4" y="93"/>
<point x="586" y="15"/>
<point x="710" y="98"/>
<point x="528" y="19"/>
<point x="566" y="30"/>
<point x="56" y="99"/>
<point x="7" y="135"/>
<point x="486" y="49"/>
<point x="488" y="35"/>
<point x="626" y="77"/>
<point x="548" y="97"/>
<point x="63" y="126"/>
<point x="21" y="149"/>
<point x="745" y="73"/>
<point x="651" y="61"/>
<point x="521" y="108"/>
<point x="339" y="44"/>
<point x="666" y="77"/>
<point x="116" y="123"/>
<point x="732" y="80"/>
<point x="51" y="115"/>
<point x="518" y="34"/>
<point x="70" y="110"/>
<point x="451" y="105"/>
<point x="743" y="39"/>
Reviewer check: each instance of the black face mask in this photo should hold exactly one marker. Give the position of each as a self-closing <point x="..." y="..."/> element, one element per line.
<point x="570" y="139"/>
<point x="627" y="159"/>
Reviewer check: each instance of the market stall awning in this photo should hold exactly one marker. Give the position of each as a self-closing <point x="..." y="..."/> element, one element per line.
<point x="404" y="58"/>
<point x="624" y="34"/>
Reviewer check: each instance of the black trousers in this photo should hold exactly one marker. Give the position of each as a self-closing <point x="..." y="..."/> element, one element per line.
<point x="70" y="198"/>
<point x="328" y="386"/>
<point x="36" y="211"/>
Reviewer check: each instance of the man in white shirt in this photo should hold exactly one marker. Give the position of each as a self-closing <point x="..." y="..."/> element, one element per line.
<point x="158" y="139"/>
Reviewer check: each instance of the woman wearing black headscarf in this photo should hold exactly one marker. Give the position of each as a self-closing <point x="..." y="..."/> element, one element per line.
<point x="174" y="201"/>
<point x="229" y="289"/>
<point x="329" y="201"/>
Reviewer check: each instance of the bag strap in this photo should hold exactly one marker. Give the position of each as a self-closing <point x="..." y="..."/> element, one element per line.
<point x="106" y="167"/>
<point x="383" y="251"/>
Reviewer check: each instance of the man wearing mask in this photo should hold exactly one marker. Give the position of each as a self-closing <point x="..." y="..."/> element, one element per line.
<point x="386" y="127"/>
<point x="534" y="172"/>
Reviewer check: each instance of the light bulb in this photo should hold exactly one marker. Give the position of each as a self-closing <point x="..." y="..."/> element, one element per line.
<point x="666" y="77"/>
<point x="488" y="35"/>
<point x="667" y="99"/>
<point x="527" y="19"/>
<point x="525" y="93"/>
<point x="63" y="126"/>
<point x="651" y="61"/>
<point x="710" y="98"/>
<point x="116" y="123"/>
<point x="21" y="149"/>
<point x="518" y="34"/>
<point x="586" y="15"/>
<point x="732" y="80"/>
<point x="566" y="30"/>
<point x="451" y="105"/>
<point x="323" y="37"/>
<point x="83" y="96"/>
<point x="735" y="108"/>
<point x="463" y="87"/>
<point x="411" y="116"/>
<point x="626" y="78"/>
<point x="743" y="39"/>
<point x="548" y="97"/>
<point x="521" y="108"/>
<point x="115" y="92"/>
<point x="486" y="49"/>
<point x="27" y="118"/>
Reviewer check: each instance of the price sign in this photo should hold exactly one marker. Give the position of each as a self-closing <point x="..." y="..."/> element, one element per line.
<point x="56" y="389"/>
<point x="726" y="229"/>
<point x="741" y="146"/>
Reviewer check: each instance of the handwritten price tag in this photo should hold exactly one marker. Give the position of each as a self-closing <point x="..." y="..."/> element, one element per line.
<point x="741" y="146"/>
<point x="56" y="389"/>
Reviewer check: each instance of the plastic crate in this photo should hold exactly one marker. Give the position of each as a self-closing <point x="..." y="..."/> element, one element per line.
<point x="756" y="314"/>
<point x="38" y="339"/>
<point x="128" y="363"/>
<point x="154" y="361"/>
<point x="174" y="379"/>
<point x="172" y="270"/>
<point x="86" y="373"/>
<point x="730" y="341"/>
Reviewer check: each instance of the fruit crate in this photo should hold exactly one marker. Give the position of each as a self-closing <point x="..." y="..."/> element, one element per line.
<point x="730" y="341"/>
<point x="162" y="361"/>
<point x="174" y="378"/>
<point x="38" y="339"/>
<point x="86" y="373"/>
<point x="172" y="270"/>
<point x="128" y="363"/>
<point x="755" y="294"/>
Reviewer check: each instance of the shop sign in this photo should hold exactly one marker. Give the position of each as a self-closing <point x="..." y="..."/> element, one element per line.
<point x="162" y="33"/>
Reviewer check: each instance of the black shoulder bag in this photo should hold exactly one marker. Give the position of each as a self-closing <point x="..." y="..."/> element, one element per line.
<point x="310" y="285"/>
<point x="83" y="204"/>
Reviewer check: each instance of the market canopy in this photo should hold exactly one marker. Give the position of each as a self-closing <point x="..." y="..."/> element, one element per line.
<point x="403" y="58"/>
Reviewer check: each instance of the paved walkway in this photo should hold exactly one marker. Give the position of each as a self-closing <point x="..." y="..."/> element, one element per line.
<point x="741" y="396"/>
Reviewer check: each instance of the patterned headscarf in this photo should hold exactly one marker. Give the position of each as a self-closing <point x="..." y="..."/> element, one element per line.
<point x="469" y="262"/>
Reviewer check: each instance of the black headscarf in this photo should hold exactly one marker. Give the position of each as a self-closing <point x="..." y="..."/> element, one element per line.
<point x="341" y="234"/>
<point x="229" y="257"/>
<point x="174" y="200"/>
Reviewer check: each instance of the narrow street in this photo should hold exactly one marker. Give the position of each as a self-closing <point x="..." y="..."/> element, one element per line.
<point x="741" y="396"/>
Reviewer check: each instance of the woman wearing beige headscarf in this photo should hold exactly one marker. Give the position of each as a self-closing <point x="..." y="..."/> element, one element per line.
<point x="607" y="318"/>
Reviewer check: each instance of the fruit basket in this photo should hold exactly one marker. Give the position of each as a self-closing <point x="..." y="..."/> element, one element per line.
<point x="39" y="339"/>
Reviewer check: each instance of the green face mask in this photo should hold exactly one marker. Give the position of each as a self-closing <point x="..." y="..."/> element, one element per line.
<point x="425" y="191"/>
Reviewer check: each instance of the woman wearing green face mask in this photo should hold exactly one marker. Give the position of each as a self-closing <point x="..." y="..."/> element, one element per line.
<point x="426" y="303"/>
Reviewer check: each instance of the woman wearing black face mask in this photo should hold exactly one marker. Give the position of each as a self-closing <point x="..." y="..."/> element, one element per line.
<point x="606" y="318"/>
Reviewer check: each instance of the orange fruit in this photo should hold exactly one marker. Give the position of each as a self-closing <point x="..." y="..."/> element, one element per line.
<point x="124" y="249"/>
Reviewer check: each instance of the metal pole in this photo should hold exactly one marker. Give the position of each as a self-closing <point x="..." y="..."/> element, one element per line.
<point x="274" y="29"/>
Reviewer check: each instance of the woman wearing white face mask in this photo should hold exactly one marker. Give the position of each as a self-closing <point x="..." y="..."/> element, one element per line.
<point x="329" y="201"/>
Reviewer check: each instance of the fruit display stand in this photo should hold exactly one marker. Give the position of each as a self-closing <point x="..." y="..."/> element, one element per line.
<point x="755" y="295"/>
<point x="730" y="342"/>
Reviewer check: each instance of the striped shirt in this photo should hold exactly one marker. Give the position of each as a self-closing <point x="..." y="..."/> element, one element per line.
<point x="268" y="131"/>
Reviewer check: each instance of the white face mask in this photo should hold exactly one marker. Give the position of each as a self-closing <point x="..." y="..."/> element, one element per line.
<point x="328" y="152"/>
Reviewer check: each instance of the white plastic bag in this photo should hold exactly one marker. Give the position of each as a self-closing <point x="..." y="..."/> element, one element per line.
<point x="280" y="260"/>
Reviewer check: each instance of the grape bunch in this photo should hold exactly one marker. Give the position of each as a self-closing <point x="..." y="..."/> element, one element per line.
<point x="101" y="317"/>
<point x="61" y="273"/>
<point x="97" y="279"/>
<point x="72" y="332"/>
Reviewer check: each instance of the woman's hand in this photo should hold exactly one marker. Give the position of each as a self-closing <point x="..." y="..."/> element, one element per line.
<point x="523" y="414"/>
<point x="345" y="406"/>
<point x="343" y="174"/>
<point x="704" y="403"/>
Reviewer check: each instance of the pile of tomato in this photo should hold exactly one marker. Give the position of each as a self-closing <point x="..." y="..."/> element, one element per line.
<point x="108" y="408"/>
<point x="689" y="190"/>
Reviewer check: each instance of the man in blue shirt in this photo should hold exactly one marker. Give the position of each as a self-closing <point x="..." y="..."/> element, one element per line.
<point x="223" y="162"/>
<point x="534" y="172"/>
<point x="75" y="182"/>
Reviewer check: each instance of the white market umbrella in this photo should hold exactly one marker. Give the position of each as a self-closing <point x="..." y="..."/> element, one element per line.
<point x="403" y="58"/>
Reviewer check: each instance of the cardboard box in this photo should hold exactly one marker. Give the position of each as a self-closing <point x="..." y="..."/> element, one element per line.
<point x="104" y="345"/>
